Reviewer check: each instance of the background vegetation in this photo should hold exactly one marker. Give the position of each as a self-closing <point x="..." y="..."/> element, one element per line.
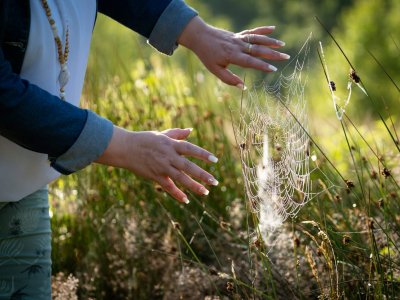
<point x="121" y="237"/>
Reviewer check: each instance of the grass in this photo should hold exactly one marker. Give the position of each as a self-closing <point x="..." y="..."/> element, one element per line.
<point x="124" y="238"/>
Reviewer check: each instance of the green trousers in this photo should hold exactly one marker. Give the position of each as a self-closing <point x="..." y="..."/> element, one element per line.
<point x="25" y="248"/>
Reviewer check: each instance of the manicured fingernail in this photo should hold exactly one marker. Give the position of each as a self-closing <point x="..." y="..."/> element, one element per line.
<point x="213" y="159"/>
<point x="213" y="181"/>
<point x="272" y="68"/>
<point x="280" y="43"/>
<point x="186" y="200"/>
<point x="241" y="86"/>
<point x="284" y="55"/>
<point x="204" y="191"/>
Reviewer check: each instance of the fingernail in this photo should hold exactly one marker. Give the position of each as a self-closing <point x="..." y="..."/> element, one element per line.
<point x="271" y="27"/>
<point x="272" y="68"/>
<point x="280" y="43"/>
<point x="190" y="129"/>
<point x="213" y="181"/>
<point x="204" y="191"/>
<point x="241" y="86"/>
<point x="284" y="55"/>
<point x="185" y="200"/>
<point x="213" y="159"/>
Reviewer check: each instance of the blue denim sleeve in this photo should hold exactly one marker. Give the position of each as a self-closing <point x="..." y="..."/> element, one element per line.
<point x="41" y="122"/>
<point x="161" y="21"/>
<point x="170" y="25"/>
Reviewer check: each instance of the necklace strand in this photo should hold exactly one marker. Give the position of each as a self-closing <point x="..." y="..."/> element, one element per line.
<point x="64" y="75"/>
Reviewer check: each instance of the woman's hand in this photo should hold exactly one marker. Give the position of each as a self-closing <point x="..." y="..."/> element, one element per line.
<point x="160" y="156"/>
<point x="217" y="49"/>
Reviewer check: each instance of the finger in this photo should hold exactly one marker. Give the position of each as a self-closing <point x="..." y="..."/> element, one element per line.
<point x="188" y="182"/>
<point x="178" y="133"/>
<point x="169" y="186"/>
<point x="262" y="40"/>
<point x="259" y="30"/>
<point x="248" y="61"/>
<point x="189" y="149"/>
<point x="265" y="52"/>
<point x="227" y="76"/>
<point x="193" y="170"/>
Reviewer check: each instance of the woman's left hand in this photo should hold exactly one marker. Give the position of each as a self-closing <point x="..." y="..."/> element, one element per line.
<point x="217" y="49"/>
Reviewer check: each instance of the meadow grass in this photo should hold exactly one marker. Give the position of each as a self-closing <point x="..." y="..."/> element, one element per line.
<point x="122" y="237"/>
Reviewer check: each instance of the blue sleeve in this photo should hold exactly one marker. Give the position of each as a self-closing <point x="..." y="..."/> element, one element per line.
<point x="161" y="21"/>
<point x="41" y="122"/>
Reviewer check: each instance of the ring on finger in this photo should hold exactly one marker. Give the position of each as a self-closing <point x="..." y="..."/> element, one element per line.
<point x="248" y="48"/>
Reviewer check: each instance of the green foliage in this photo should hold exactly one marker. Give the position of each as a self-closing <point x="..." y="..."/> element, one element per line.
<point x="124" y="238"/>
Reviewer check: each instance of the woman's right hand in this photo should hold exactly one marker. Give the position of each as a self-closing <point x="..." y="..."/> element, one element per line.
<point x="161" y="157"/>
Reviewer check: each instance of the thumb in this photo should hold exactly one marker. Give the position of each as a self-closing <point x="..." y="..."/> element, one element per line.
<point x="178" y="133"/>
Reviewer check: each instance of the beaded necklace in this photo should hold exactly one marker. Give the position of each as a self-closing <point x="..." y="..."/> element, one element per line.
<point x="64" y="75"/>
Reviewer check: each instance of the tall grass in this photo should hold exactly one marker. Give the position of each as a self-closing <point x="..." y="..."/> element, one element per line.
<point x="124" y="238"/>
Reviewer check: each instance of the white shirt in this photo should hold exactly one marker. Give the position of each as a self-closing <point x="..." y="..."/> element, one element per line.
<point x="22" y="171"/>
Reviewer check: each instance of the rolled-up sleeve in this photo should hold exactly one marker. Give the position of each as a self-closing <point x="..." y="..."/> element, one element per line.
<point x="170" y="25"/>
<point x="91" y="143"/>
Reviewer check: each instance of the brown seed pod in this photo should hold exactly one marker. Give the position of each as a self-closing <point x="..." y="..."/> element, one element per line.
<point x="386" y="172"/>
<point x="353" y="75"/>
<point x="332" y="85"/>
<point x="349" y="183"/>
<point x="346" y="239"/>
<point x="381" y="203"/>
<point x="230" y="287"/>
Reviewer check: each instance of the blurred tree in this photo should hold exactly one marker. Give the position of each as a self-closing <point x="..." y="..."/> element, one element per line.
<point x="368" y="26"/>
<point x="294" y="19"/>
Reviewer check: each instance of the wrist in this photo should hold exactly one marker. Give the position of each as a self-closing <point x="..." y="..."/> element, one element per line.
<point x="193" y="31"/>
<point x="115" y="153"/>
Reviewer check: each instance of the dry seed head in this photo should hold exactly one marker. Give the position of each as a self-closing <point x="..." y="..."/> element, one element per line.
<point x="370" y="224"/>
<point x="381" y="203"/>
<point x="374" y="174"/>
<point x="323" y="235"/>
<point x="176" y="225"/>
<point x="296" y="241"/>
<point x="224" y="225"/>
<point x="346" y="239"/>
<point x="332" y="85"/>
<point x="386" y="172"/>
<point x="349" y="183"/>
<point x="230" y="287"/>
<point x="312" y="263"/>
<point x="353" y="76"/>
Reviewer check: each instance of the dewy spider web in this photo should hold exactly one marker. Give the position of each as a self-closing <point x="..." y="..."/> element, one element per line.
<point x="271" y="133"/>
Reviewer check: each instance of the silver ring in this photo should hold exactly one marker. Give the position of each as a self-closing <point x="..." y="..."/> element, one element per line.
<point x="248" y="48"/>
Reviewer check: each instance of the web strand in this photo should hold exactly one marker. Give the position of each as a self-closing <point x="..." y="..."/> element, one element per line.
<point x="274" y="145"/>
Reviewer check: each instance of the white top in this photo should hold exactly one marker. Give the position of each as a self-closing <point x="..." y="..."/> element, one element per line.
<point x="22" y="171"/>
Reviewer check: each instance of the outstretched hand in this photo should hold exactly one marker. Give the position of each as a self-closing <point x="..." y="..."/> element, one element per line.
<point x="217" y="49"/>
<point x="161" y="157"/>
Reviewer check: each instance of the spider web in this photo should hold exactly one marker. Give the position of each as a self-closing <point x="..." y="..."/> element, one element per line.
<point x="275" y="150"/>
